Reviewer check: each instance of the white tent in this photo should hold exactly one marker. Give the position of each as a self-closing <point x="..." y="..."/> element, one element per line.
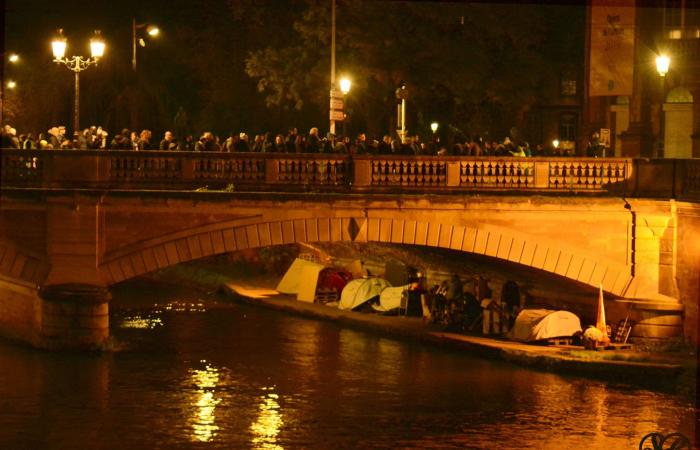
<point x="357" y="292"/>
<point x="536" y="324"/>
<point x="390" y="298"/>
<point x="301" y="279"/>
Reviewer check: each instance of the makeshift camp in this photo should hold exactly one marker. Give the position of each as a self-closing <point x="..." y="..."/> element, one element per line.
<point x="391" y="298"/>
<point x="307" y="279"/>
<point x="537" y="324"/>
<point x="358" y="292"/>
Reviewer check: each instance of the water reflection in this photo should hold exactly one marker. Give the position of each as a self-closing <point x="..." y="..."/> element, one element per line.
<point x="204" y="421"/>
<point x="141" y="322"/>
<point x="267" y="427"/>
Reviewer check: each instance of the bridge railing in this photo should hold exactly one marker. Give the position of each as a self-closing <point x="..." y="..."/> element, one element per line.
<point x="131" y="170"/>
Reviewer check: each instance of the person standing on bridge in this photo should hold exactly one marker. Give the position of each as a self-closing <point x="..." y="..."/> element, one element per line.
<point x="168" y="142"/>
<point x="313" y="143"/>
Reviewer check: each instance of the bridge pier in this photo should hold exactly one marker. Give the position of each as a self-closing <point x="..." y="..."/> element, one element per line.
<point x="55" y="317"/>
<point x="74" y="316"/>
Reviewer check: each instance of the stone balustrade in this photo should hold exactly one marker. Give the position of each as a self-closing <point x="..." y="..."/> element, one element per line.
<point x="128" y="170"/>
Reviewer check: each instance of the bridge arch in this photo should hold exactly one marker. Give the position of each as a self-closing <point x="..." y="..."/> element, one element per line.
<point x="498" y="242"/>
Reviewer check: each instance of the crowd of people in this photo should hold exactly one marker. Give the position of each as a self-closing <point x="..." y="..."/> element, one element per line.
<point x="96" y="138"/>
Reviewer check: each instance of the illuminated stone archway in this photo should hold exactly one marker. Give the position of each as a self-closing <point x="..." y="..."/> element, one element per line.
<point x="500" y="243"/>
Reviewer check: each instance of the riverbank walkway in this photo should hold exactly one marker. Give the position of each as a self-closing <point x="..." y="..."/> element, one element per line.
<point x="618" y="365"/>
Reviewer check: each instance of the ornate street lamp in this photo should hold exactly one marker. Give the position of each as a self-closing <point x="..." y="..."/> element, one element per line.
<point x="77" y="64"/>
<point x="151" y="30"/>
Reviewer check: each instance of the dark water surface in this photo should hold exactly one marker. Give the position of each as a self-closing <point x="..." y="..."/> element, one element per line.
<point x="205" y="374"/>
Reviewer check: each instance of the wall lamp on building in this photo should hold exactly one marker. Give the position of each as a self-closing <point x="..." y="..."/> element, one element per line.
<point x="662" y="64"/>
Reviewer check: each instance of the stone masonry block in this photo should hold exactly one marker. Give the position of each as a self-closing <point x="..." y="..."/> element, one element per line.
<point x="252" y="238"/>
<point x="172" y="254"/>
<point x="482" y="239"/>
<point x="421" y="233"/>
<point x="137" y="263"/>
<point x="385" y="230"/>
<point x="492" y="244"/>
<point x="409" y="232"/>
<point x="205" y="244"/>
<point x="516" y="250"/>
<point x="598" y="275"/>
<point x="563" y="263"/>
<point x="586" y="271"/>
<point x="127" y="268"/>
<point x="457" y="239"/>
<point x="575" y="267"/>
<point x="550" y="262"/>
<point x="312" y="230"/>
<point x="433" y="235"/>
<point x="337" y="230"/>
<point x="445" y="236"/>
<point x="504" y="246"/>
<point x="540" y="256"/>
<point x="276" y="235"/>
<point x="183" y="250"/>
<point x="324" y="229"/>
<point x="194" y="247"/>
<point x="241" y="238"/>
<point x="264" y="234"/>
<point x="149" y="259"/>
<point x="397" y="231"/>
<point x="288" y="232"/>
<point x="373" y="225"/>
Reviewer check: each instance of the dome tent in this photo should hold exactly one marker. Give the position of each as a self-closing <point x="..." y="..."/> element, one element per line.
<point x="537" y="324"/>
<point x="358" y="292"/>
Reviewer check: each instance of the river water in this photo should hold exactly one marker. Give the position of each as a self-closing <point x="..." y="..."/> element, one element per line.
<point x="196" y="372"/>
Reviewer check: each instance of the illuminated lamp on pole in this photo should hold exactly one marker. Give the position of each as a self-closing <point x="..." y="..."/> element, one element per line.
<point x="77" y="64"/>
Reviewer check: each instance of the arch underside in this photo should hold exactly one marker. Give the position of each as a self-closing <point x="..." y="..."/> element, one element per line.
<point x="501" y="243"/>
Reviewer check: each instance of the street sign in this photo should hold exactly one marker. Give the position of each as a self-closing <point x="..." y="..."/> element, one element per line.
<point x="605" y="137"/>
<point x="337" y="103"/>
<point x="337" y="115"/>
<point x="335" y="93"/>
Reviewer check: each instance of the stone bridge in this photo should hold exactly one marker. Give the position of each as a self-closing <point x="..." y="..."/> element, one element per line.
<point x="76" y="222"/>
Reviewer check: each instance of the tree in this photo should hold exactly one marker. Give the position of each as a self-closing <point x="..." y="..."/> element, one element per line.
<point x="478" y="66"/>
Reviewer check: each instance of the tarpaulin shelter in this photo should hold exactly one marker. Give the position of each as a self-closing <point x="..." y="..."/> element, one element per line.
<point x="305" y="278"/>
<point x="391" y="298"/>
<point x="358" y="292"/>
<point x="537" y="324"/>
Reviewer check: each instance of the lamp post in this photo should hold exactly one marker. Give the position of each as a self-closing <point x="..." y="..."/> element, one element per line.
<point x="662" y="64"/>
<point x="77" y="64"/>
<point x="152" y="31"/>
<point x="401" y="94"/>
<point x="345" y="84"/>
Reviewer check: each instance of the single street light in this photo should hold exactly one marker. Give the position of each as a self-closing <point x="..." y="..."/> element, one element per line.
<point x="11" y="84"/>
<point x="345" y="84"/>
<point x="77" y="64"/>
<point x="13" y="58"/>
<point x="151" y="30"/>
<point x="434" y="127"/>
<point x="555" y="144"/>
<point x="663" y="62"/>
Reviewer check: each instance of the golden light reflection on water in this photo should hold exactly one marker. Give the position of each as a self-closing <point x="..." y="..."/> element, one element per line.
<point x="267" y="427"/>
<point x="146" y="323"/>
<point x="204" y="421"/>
